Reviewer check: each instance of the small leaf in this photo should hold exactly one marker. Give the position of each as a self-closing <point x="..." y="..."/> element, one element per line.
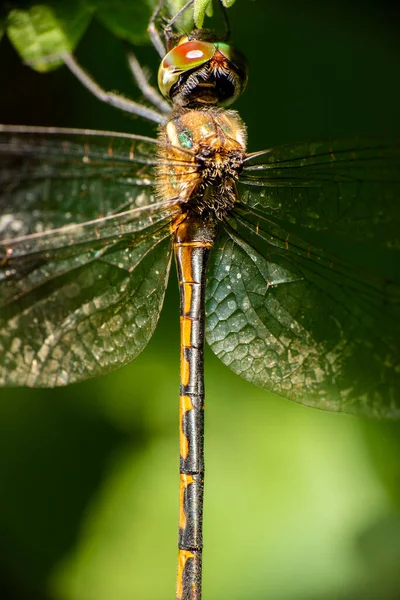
<point x="201" y="7"/>
<point x="42" y="32"/>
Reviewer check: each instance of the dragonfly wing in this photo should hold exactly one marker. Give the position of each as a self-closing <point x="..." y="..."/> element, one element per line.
<point x="310" y="307"/>
<point x="58" y="176"/>
<point x="344" y="188"/>
<point x="81" y="285"/>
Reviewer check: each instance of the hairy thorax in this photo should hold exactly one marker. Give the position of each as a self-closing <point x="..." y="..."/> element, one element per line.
<point x="201" y="156"/>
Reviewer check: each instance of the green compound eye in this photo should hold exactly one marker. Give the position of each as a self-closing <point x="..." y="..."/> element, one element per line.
<point x="185" y="138"/>
<point x="183" y="57"/>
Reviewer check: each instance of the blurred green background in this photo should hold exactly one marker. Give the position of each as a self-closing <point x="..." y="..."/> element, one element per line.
<point x="299" y="504"/>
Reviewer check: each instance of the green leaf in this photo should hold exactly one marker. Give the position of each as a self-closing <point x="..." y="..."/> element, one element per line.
<point x="127" y="20"/>
<point x="200" y="9"/>
<point x="42" y="32"/>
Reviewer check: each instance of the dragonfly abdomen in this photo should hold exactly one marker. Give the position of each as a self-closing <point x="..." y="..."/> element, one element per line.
<point x="193" y="241"/>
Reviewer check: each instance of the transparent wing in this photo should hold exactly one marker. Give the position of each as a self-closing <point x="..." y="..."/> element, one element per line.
<point x="84" y="254"/>
<point x="53" y="177"/>
<point x="342" y="187"/>
<point x="309" y="305"/>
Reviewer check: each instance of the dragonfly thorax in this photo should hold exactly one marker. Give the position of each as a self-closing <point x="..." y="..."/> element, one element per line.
<point x="201" y="158"/>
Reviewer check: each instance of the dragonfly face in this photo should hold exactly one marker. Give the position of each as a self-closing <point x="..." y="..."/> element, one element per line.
<point x="203" y="71"/>
<point x="296" y="301"/>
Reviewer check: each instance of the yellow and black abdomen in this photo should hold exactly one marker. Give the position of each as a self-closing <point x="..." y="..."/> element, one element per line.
<point x="193" y="241"/>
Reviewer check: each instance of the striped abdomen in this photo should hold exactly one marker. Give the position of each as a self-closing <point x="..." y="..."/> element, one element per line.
<point x="193" y="241"/>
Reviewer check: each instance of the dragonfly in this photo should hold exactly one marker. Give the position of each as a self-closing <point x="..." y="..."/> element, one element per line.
<point x="287" y="258"/>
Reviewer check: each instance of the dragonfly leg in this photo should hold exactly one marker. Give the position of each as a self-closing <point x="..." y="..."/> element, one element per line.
<point x="147" y="90"/>
<point x="227" y="26"/>
<point x="153" y="32"/>
<point x="167" y="29"/>
<point x="109" y="97"/>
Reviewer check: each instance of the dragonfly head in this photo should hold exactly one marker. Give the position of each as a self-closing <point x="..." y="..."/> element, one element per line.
<point x="199" y="70"/>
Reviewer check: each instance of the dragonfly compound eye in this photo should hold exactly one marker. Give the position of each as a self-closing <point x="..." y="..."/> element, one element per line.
<point x="202" y="72"/>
